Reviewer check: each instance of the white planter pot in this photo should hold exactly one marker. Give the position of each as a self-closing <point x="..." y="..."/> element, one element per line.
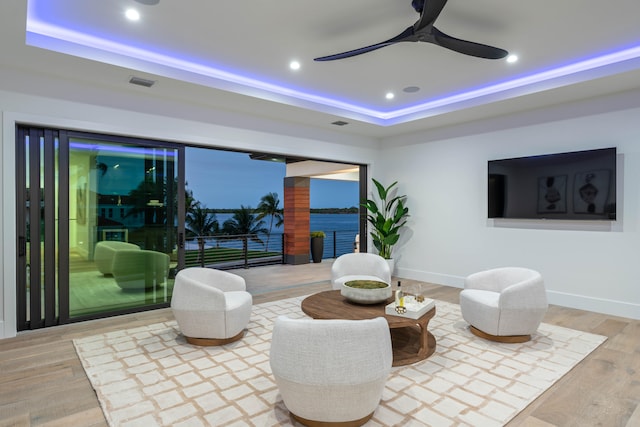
<point x="392" y="265"/>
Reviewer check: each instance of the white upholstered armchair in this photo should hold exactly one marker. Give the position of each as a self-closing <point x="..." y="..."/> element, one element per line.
<point x="211" y="306"/>
<point x="504" y="304"/>
<point x="331" y="371"/>
<point x="359" y="266"/>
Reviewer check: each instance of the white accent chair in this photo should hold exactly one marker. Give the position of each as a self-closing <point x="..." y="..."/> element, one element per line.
<point x="359" y="266"/>
<point x="504" y="304"/>
<point x="331" y="372"/>
<point x="212" y="307"/>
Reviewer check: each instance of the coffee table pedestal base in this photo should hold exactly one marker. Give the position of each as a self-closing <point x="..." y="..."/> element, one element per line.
<point x="411" y="345"/>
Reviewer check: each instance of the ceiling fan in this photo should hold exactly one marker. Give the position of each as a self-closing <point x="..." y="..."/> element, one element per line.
<point x="424" y="31"/>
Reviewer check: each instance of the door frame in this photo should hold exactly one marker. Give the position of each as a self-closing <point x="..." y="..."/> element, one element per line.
<point x="58" y="313"/>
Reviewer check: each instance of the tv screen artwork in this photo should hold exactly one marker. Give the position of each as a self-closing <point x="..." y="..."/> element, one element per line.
<point x="579" y="185"/>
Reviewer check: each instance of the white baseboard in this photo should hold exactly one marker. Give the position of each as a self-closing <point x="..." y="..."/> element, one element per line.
<point x="426" y="276"/>
<point x="563" y="299"/>
<point x="4" y="333"/>
<point x="598" y="305"/>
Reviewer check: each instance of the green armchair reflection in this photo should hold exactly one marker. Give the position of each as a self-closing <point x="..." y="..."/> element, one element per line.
<point x="106" y="250"/>
<point x="140" y="269"/>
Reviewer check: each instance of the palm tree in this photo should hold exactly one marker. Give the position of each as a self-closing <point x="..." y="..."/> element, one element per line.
<point x="270" y="206"/>
<point x="190" y="202"/>
<point x="244" y="222"/>
<point x="200" y="222"/>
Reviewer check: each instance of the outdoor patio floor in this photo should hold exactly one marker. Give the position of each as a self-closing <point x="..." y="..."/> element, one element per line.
<point x="285" y="276"/>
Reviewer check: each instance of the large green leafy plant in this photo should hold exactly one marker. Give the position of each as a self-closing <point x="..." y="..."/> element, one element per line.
<point x="386" y="217"/>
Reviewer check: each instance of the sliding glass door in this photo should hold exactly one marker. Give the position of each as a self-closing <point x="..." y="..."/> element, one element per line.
<point x="123" y="225"/>
<point x="109" y="224"/>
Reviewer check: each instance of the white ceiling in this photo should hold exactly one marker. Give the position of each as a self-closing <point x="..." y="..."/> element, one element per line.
<point x="234" y="55"/>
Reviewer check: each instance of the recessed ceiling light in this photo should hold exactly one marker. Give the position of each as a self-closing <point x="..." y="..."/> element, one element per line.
<point x="294" y="65"/>
<point x="340" y="123"/>
<point x="512" y="58"/>
<point x="390" y="95"/>
<point x="132" y="15"/>
<point x="149" y="2"/>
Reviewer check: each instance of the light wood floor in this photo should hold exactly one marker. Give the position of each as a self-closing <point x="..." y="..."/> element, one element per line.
<point x="42" y="382"/>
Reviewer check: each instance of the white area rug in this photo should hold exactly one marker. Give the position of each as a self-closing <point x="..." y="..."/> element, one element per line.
<point x="149" y="376"/>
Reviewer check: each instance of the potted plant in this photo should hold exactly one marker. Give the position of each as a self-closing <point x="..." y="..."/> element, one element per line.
<point x="386" y="217"/>
<point x="317" y="245"/>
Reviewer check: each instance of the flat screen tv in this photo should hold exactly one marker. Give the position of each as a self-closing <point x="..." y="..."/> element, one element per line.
<point x="579" y="185"/>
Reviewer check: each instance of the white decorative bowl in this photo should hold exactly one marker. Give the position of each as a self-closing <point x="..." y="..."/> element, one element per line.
<point x="365" y="296"/>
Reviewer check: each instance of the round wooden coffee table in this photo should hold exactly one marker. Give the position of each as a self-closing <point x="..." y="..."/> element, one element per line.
<point x="410" y="339"/>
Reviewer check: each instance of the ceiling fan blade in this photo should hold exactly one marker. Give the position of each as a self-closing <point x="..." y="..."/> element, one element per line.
<point x="466" y="47"/>
<point x="406" y="35"/>
<point x="423" y="30"/>
<point x="430" y="12"/>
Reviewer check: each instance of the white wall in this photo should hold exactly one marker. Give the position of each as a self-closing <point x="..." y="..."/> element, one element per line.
<point x="444" y="174"/>
<point x="22" y="108"/>
<point x="591" y="266"/>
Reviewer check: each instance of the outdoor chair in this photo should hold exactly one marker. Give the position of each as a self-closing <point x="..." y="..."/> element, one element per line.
<point x="212" y="307"/>
<point x="331" y="372"/>
<point x="504" y="304"/>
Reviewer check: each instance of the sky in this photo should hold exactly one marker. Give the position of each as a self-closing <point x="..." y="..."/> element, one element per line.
<point x="224" y="179"/>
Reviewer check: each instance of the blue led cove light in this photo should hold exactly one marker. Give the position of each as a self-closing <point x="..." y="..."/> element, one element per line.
<point x="49" y="35"/>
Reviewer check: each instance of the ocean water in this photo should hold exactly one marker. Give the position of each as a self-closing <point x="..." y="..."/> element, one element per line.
<point x="341" y="227"/>
<point x="318" y="222"/>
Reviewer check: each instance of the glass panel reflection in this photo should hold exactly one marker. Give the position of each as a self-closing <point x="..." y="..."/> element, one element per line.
<point x="122" y="228"/>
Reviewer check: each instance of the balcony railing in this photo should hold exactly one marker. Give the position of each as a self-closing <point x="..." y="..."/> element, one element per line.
<point x="338" y="243"/>
<point x="249" y="250"/>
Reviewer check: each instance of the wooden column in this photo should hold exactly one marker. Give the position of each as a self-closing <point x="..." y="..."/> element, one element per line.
<point x="296" y="220"/>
